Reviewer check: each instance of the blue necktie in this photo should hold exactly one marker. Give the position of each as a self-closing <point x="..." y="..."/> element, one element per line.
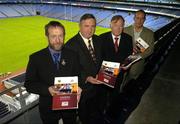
<point x="56" y="60"/>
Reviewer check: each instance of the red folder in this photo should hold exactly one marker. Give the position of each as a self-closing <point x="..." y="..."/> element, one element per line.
<point x="65" y="101"/>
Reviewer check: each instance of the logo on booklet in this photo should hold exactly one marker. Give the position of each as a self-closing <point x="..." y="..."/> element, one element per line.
<point x="65" y="103"/>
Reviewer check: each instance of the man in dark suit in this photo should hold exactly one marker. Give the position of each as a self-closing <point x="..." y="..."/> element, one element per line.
<point x="88" y="47"/>
<point x="116" y="47"/>
<point x="44" y="66"/>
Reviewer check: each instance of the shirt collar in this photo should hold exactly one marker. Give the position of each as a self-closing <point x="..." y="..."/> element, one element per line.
<point x="113" y="36"/>
<point x="136" y="31"/>
<point x="53" y="51"/>
<point x="85" y="39"/>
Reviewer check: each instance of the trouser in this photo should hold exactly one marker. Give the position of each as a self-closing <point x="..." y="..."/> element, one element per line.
<point x="91" y="107"/>
<point x="53" y="116"/>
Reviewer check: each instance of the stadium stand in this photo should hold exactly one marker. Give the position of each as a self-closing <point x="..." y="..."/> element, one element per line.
<point x="103" y="11"/>
<point x="134" y="92"/>
<point x="162" y="20"/>
<point x="22" y="10"/>
<point x="8" y="11"/>
<point x="2" y="15"/>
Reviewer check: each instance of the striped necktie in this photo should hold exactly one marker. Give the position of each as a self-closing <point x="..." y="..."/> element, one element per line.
<point x="91" y="51"/>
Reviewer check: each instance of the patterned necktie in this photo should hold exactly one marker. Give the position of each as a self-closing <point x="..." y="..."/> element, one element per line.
<point x="91" y="51"/>
<point x="56" y="60"/>
<point x="116" y="44"/>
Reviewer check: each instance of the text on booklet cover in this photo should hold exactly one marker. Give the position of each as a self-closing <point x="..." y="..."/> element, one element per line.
<point x="141" y="45"/>
<point x="67" y="97"/>
<point x="108" y="73"/>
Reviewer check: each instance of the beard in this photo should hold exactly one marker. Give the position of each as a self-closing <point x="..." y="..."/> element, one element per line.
<point x="56" y="47"/>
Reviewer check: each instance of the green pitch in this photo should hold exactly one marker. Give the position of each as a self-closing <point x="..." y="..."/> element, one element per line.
<point x="19" y="37"/>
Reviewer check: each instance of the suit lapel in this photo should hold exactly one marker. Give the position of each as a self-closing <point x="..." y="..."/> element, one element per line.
<point x="49" y="59"/>
<point x="121" y="43"/>
<point x="84" y="48"/>
<point x="132" y="32"/>
<point x="51" y="64"/>
<point x="111" y="43"/>
<point x="96" y="48"/>
<point x="62" y="64"/>
<point x="143" y="34"/>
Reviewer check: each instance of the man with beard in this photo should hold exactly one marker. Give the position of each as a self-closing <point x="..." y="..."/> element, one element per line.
<point x="43" y="66"/>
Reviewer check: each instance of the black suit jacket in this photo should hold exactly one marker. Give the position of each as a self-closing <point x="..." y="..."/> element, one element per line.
<point x="41" y="71"/>
<point x="108" y="51"/>
<point x="90" y="102"/>
<point x="87" y="66"/>
<point x="124" y="50"/>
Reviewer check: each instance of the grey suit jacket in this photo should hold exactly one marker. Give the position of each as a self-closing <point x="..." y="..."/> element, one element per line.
<point x="148" y="36"/>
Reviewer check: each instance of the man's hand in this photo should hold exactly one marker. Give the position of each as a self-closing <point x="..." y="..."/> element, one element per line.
<point x="135" y="50"/>
<point x="124" y="68"/>
<point x="53" y="90"/>
<point x="79" y="94"/>
<point x="93" y="80"/>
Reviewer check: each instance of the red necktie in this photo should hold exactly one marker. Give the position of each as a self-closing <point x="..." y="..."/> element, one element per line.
<point x="116" y="44"/>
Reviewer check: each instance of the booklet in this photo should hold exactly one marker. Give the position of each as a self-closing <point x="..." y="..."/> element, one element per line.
<point x="141" y="45"/>
<point x="67" y="97"/>
<point x="108" y="73"/>
<point x="129" y="61"/>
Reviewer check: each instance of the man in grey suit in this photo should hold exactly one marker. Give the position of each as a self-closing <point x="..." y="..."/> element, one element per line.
<point x="138" y="30"/>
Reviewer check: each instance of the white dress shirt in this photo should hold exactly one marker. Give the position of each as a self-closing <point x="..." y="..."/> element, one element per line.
<point x="86" y="41"/>
<point x="113" y="36"/>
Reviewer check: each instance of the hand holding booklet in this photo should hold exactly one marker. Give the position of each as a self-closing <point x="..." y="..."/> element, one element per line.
<point x="129" y="61"/>
<point x="68" y="91"/>
<point x="108" y="73"/>
<point x="141" y="45"/>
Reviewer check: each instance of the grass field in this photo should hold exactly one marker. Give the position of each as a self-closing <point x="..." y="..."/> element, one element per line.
<point x="19" y="37"/>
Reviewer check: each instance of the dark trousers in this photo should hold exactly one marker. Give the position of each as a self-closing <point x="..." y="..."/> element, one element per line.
<point x="53" y="116"/>
<point x="122" y="104"/>
<point x="90" y="106"/>
<point x="115" y="103"/>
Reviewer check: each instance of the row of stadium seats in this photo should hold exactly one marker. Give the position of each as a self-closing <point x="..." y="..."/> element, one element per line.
<point x="13" y="10"/>
<point x="136" y="88"/>
<point x="163" y="8"/>
<point x="74" y="13"/>
<point x="156" y="1"/>
<point x="160" y="8"/>
<point x="16" y="1"/>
